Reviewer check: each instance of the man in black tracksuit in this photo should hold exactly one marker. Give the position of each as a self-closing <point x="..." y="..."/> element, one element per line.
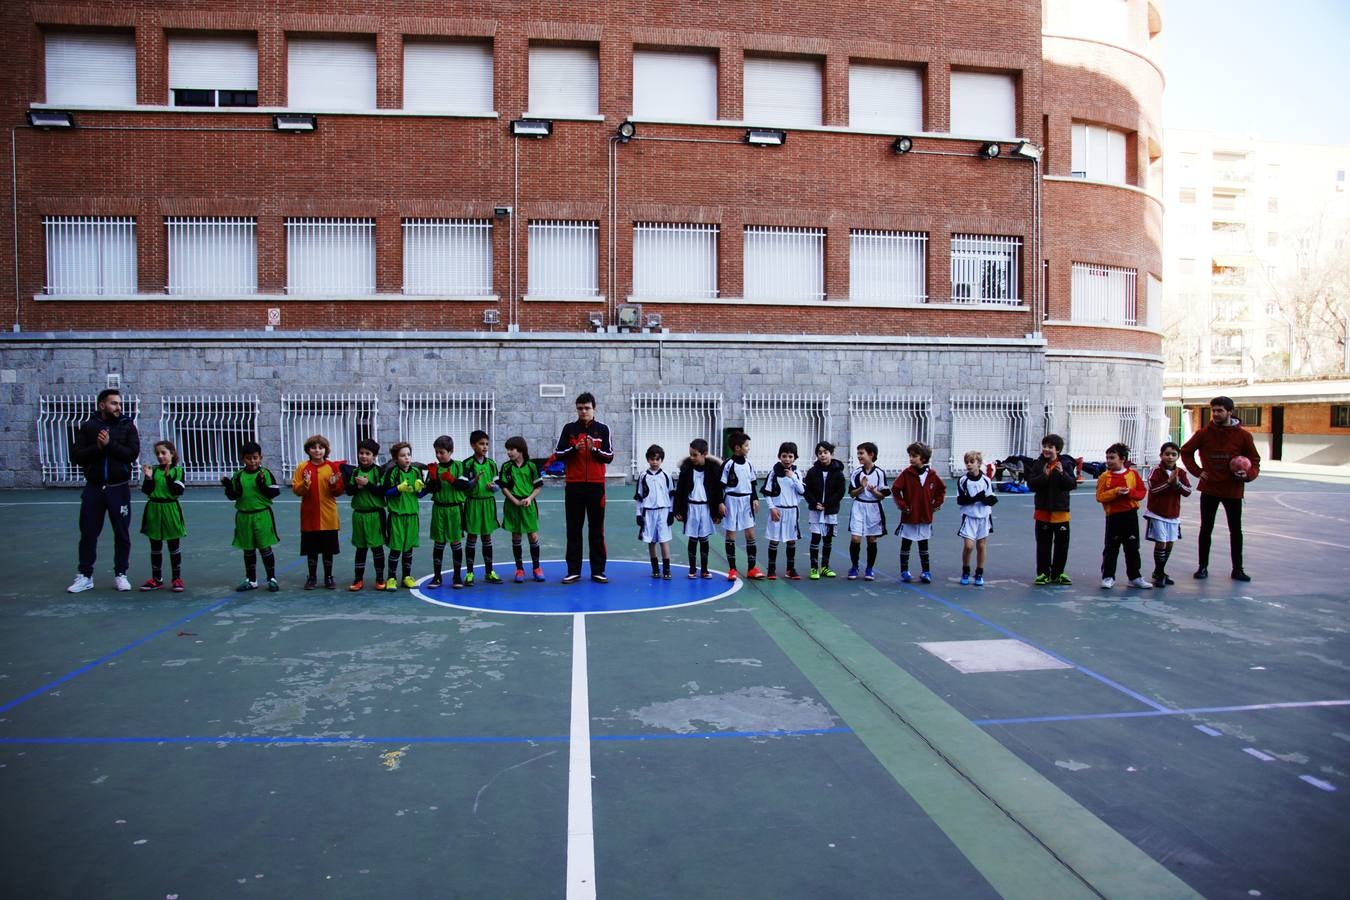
<point x="107" y="447"/>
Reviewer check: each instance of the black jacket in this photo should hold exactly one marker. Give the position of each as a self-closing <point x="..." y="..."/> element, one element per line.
<point x="1052" y="490"/>
<point x="712" y="486"/>
<point x="111" y="464"/>
<point x="825" y="485"/>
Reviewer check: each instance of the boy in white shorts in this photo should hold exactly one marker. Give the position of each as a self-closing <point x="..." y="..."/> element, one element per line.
<point x="740" y="505"/>
<point x="975" y="496"/>
<point x="825" y="485"/>
<point x="698" y="498"/>
<point x="783" y="488"/>
<point x="654" y="515"/>
<point x="1166" y="486"/>
<point x="867" y="519"/>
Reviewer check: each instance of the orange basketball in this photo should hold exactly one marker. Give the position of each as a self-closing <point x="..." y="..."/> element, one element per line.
<point x="1240" y="465"/>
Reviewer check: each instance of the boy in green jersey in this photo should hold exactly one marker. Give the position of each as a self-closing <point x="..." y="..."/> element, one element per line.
<point x="521" y="483"/>
<point x="446" y="484"/>
<point x="402" y="484"/>
<point x="252" y="489"/>
<point x="480" y="507"/>
<point x="365" y="485"/>
<point x="162" y="519"/>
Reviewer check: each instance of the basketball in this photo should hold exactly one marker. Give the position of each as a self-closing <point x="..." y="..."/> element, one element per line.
<point x="1240" y="465"/>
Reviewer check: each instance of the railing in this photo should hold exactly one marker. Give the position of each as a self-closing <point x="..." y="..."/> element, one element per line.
<point x="1104" y="294"/>
<point x="672" y="421"/>
<point x="772" y="419"/>
<point x="208" y="432"/>
<point x="892" y="422"/>
<point x="90" y="255"/>
<point x="998" y="427"/>
<point x="986" y="269"/>
<point x="59" y="418"/>
<point x="424" y="417"/>
<point x="342" y="418"/>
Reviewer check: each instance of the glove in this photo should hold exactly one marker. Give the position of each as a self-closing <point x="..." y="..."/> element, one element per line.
<point x="990" y="500"/>
<point x="404" y="488"/>
<point x="224" y="480"/>
<point x="494" y="487"/>
<point x="419" y="484"/>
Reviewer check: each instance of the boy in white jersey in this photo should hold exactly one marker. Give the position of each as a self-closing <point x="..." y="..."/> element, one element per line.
<point x="698" y="498"/>
<point x="654" y="514"/>
<point x="740" y="505"/>
<point x="784" y="489"/>
<point x="867" y="519"/>
<point x="975" y="496"/>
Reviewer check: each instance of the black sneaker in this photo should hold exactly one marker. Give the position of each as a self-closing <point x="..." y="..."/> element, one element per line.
<point x="571" y="579"/>
<point x="600" y="578"/>
<point x="435" y="581"/>
<point x="329" y="583"/>
<point x="1201" y="573"/>
<point x="1239" y="575"/>
<point x="311" y="583"/>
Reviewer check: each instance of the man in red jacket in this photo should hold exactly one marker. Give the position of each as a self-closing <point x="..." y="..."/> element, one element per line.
<point x="584" y="449"/>
<point x="1218" y="443"/>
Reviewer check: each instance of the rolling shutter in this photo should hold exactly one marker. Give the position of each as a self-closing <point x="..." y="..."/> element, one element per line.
<point x="91" y="68"/>
<point x="331" y="73"/>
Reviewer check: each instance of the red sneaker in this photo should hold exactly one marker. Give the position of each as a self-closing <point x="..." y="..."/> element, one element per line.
<point x="792" y="575"/>
<point x="771" y="576"/>
<point x="178" y="586"/>
<point x="152" y="585"/>
<point x="358" y="585"/>
<point x="378" y="585"/>
<point x="754" y="574"/>
<point x="731" y="574"/>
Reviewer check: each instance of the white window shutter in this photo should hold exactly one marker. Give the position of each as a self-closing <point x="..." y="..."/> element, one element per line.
<point x="674" y="260"/>
<point x="330" y="257"/>
<point x="331" y="73"/>
<point x="212" y="256"/>
<point x="91" y="68"/>
<point x="213" y="62"/>
<point x="782" y="92"/>
<point x="1099" y="153"/>
<point x="564" y="81"/>
<point x="1079" y="161"/>
<point x="674" y="85"/>
<point x="885" y="98"/>
<point x="1115" y="157"/>
<point x="447" y="76"/>
<point x="983" y="104"/>
<point x="784" y="263"/>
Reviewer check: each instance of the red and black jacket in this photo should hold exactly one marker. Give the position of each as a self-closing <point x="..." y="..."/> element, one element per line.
<point x="583" y="465"/>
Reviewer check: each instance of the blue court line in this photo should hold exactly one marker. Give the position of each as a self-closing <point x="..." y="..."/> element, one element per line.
<point x="464" y="739"/>
<point x="1143" y="714"/>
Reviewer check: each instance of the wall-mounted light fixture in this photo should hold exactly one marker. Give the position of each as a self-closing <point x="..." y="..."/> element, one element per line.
<point x="1026" y="150"/>
<point x="492" y="317"/>
<point x="629" y="316"/>
<point x="626" y="131"/>
<point x="902" y="145"/>
<point x="48" y="119"/>
<point x="990" y="150"/>
<point x="295" y="122"/>
<point x="596" y="320"/>
<point x="765" y="137"/>
<point x="531" y="128"/>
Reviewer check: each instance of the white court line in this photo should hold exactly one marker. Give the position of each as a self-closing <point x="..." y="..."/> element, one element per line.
<point x="580" y="825"/>
<point x="1304" y="512"/>
<point x="1290" y="537"/>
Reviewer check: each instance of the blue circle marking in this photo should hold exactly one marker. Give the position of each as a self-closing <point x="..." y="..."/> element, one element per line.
<point x="631" y="588"/>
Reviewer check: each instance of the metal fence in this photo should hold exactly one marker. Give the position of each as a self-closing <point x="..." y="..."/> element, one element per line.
<point x="330" y="257"/>
<point x="672" y="260"/>
<point x="208" y="432"/>
<point x="771" y="419"/>
<point x="672" y="421"/>
<point x="59" y="417"/>
<point x="998" y="427"/>
<point x="784" y="263"/>
<point x="1104" y="294"/>
<point x="212" y="256"/>
<point x="342" y="418"/>
<point x="563" y="259"/>
<point x="892" y="422"/>
<point x="889" y="266"/>
<point x="90" y="255"/>
<point x="986" y="269"/>
<point x="447" y="256"/>
<point x="424" y="417"/>
<point x="1094" y="425"/>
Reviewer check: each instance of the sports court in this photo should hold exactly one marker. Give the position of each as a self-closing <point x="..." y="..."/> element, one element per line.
<point x="807" y="739"/>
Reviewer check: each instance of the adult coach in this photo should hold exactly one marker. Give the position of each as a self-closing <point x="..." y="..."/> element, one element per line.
<point x="1218" y="443"/>
<point x="107" y="446"/>
<point x="584" y="449"/>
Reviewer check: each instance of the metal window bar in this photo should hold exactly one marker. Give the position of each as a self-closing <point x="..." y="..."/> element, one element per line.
<point x="330" y="257"/>
<point x="342" y="418"/>
<point x="784" y="263"/>
<point x="998" y="427"/>
<point x="208" y="432"/>
<point x="892" y="422"/>
<point x="563" y="259"/>
<point x="986" y="269"/>
<point x="888" y="266"/>
<point x="672" y="421"/>
<point x="212" y="256"/>
<point x="90" y="255"/>
<point x="771" y="419"/>
<point x="447" y="256"/>
<point x="674" y="260"/>
<point x="424" y="417"/>
<point x="1094" y="425"/>
<point x="1104" y="294"/>
<point x="59" y="417"/>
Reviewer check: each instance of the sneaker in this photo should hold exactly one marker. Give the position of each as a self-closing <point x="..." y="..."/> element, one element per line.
<point x="852" y="573"/>
<point x="247" y="585"/>
<point x="1239" y="575"/>
<point x="1108" y="583"/>
<point x="435" y="581"/>
<point x="869" y="575"/>
<point x="272" y="585"/>
<point x="771" y="575"/>
<point x="178" y="587"/>
<point x="152" y="584"/>
<point x="120" y="583"/>
<point x="81" y="583"/>
<point x="468" y="578"/>
<point x="815" y="575"/>
<point x="666" y="576"/>
<point x="1140" y="583"/>
<point x="379" y="584"/>
<point x="538" y="574"/>
<point x="391" y="584"/>
<point x="965" y="578"/>
<point x="791" y="575"/>
<point x="329" y="583"/>
<point x="827" y="572"/>
<point x="600" y="578"/>
<point x="656" y="573"/>
<point x="456" y="583"/>
<point x="1167" y="579"/>
<point x="408" y="582"/>
<point x="926" y="577"/>
<point x="731" y="574"/>
<point x="979" y="581"/>
<point x="906" y="577"/>
<point x="705" y="574"/>
<point x="755" y="574"/>
<point x="571" y="579"/>
<point x="693" y="573"/>
<point x="1201" y="573"/>
<point x="493" y="577"/>
<point x="1063" y="579"/>
<point x="311" y="583"/>
<point x="357" y="585"/>
<point x="1042" y="580"/>
<point x="520" y="576"/>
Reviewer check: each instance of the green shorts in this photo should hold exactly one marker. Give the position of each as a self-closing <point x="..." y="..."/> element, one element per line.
<point x="520" y="519"/>
<point x="446" y="527"/>
<point x="255" y="530"/>
<point x="404" y="531"/>
<point x="480" y="515"/>
<point x="368" y="528"/>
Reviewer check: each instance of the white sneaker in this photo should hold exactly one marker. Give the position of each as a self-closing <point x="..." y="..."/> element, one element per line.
<point x="1140" y="583"/>
<point x="1108" y="583"/>
<point x="81" y="583"/>
<point x="121" y="583"/>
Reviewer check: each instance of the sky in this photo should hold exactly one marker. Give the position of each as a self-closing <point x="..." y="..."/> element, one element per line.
<point x="1269" y="70"/>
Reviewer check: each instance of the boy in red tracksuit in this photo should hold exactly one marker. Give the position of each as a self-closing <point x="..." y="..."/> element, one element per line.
<point x="919" y="492"/>
<point x="1119" y="490"/>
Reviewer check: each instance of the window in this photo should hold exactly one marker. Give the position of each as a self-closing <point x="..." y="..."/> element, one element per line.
<point x="90" y="255"/>
<point x="782" y="92"/>
<point x="784" y="263"/>
<point x="447" y="76"/>
<point x="1187" y="195"/>
<point x="983" y="105"/>
<point x="330" y="257"/>
<point x="1094" y="425"/>
<point x="95" y="68"/>
<point x="1225" y="201"/>
<point x="1099" y="154"/>
<point x="564" y="81"/>
<point x="674" y="260"/>
<point x="672" y="420"/>
<point x="424" y="417"/>
<point x="888" y="266"/>
<point x="1104" y="294"/>
<point x="213" y="70"/>
<point x="563" y="259"/>
<point x="885" y="98"/>
<point x="985" y="269"/>
<point x="1153" y="302"/>
<point x="448" y="257"/>
<point x="345" y="419"/>
<point x="997" y="427"/>
<point x="1340" y="415"/>
<point x="212" y="256"/>
<point x="331" y="73"/>
<point x="1249" y="416"/>
<point x="207" y="431"/>
<point x="671" y="84"/>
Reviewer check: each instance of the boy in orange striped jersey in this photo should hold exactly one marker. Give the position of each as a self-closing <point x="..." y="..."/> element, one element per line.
<point x="318" y="484"/>
<point x="1119" y="490"/>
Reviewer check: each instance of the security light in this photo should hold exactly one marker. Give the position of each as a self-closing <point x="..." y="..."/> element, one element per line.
<point x="1026" y="150"/>
<point x="989" y="150"/>
<point x="502" y="212"/>
<point x="492" y="317"/>
<point x="765" y="137"/>
<point x="630" y="314"/>
<point x="531" y="128"/>
<point x="295" y="122"/>
<point x="626" y="131"/>
<point x="596" y="320"/>
<point x="902" y="145"/>
<point x="47" y="119"/>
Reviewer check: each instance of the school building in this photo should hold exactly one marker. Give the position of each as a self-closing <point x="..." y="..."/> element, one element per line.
<point x="861" y="221"/>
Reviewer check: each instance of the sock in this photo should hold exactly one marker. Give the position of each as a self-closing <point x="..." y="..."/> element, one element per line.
<point x="825" y="548"/>
<point x="693" y="554"/>
<point x="1167" y="554"/>
<point x="269" y="563"/>
<point x="730" y="546"/>
<point x="176" y="558"/>
<point x="979" y="573"/>
<point x="313" y="562"/>
<point x="905" y="544"/>
<point x="457" y="557"/>
<point x="487" y="553"/>
<point x="157" y="560"/>
<point x="923" y="555"/>
<point x="518" y="551"/>
<point x="773" y="557"/>
<point x="437" y="558"/>
<point x="854" y="551"/>
<point x="407" y="564"/>
<point x="665" y="565"/>
<point x="251" y="565"/>
<point x="327" y="566"/>
<point x="359" y="573"/>
<point x="656" y="565"/>
<point x="534" y="554"/>
<point x="751" y="551"/>
<point x="791" y="556"/>
<point x="965" y="570"/>
<point x="379" y="563"/>
<point x="872" y="555"/>
<point x="815" y="550"/>
<point x="703" y="550"/>
<point x="470" y="550"/>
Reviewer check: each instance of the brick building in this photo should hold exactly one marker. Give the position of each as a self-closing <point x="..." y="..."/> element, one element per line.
<point x="812" y="221"/>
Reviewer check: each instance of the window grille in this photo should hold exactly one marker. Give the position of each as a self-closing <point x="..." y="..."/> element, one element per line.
<point x="672" y="421"/>
<point x="784" y="263"/>
<point x="892" y="422"/>
<point x="208" y="432"/>
<point x="986" y="269"/>
<point x="342" y="418"/>
<point x="330" y="257"/>
<point x="1095" y="425"/>
<point x="674" y="260"/>
<point x="1104" y="294"/>
<point x="771" y="419"/>
<point x="1340" y="415"/>
<point x="90" y="255"/>
<point x="59" y="417"/>
<point x="889" y="266"/>
<point x="997" y="427"/>
<point x="1250" y="416"/>
<point x="424" y="417"/>
<point x="213" y="256"/>
<point x="447" y="256"/>
<point x="564" y="259"/>
<point x="1098" y="153"/>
